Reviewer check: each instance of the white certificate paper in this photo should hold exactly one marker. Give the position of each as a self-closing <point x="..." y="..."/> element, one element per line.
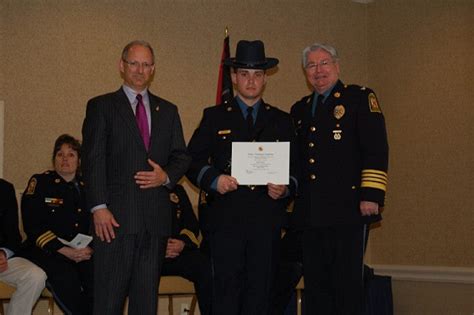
<point x="260" y="163"/>
<point x="78" y="242"/>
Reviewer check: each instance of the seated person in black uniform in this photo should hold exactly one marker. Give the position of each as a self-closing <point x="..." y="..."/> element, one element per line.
<point x="183" y="257"/>
<point x="53" y="208"/>
<point x="26" y="277"/>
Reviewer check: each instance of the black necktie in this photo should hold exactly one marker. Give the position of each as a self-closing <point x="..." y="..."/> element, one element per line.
<point x="250" y="120"/>
<point x="319" y="103"/>
<point x="320" y="99"/>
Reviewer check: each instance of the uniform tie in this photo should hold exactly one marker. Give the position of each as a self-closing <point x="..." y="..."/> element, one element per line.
<point x="250" y="120"/>
<point x="319" y="103"/>
<point x="142" y="121"/>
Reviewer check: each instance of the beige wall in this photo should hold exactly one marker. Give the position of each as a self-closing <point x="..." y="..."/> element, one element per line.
<point x="420" y="63"/>
<point x="417" y="55"/>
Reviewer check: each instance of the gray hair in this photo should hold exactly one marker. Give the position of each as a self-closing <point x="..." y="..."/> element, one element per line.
<point x="137" y="43"/>
<point x="331" y="50"/>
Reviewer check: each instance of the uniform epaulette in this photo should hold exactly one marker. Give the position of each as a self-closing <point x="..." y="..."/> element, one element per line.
<point x="304" y="99"/>
<point x="357" y="88"/>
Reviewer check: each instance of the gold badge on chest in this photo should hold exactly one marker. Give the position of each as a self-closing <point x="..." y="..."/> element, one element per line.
<point x="339" y="111"/>
<point x="337" y="134"/>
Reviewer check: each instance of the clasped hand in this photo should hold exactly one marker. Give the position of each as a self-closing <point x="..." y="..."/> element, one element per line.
<point x="174" y="248"/>
<point x="76" y="254"/>
<point x="226" y="183"/>
<point x="150" y="179"/>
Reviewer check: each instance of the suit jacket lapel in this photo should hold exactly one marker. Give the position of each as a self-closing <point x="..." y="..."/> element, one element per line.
<point x="124" y="109"/>
<point x="155" y="118"/>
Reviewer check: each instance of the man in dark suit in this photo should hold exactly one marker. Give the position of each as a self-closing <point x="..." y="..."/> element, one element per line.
<point x="26" y="277"/>
<point x="183" y="257"/>
<point x="244" y="221"/>
<point x="133" y="150"/>
<point x="344" y="159"/>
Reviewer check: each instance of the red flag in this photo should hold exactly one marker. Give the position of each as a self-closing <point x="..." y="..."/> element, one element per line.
<point x="224" y="86"/>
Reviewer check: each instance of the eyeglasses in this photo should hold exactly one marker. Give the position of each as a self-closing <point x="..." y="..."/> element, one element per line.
<point x="324" y="64"/>
<point x="134" y="65"/>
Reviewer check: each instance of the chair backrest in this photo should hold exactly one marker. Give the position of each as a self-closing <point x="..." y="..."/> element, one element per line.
<point x="175" y="285"/>
<point x="6" y="291"/>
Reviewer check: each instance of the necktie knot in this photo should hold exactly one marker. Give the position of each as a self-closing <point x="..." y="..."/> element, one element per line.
<point x="139" y="97"/>
<point x="249" y="112"/>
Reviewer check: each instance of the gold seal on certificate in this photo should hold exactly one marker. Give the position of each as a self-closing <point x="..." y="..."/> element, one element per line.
<point x="260" y="163"/>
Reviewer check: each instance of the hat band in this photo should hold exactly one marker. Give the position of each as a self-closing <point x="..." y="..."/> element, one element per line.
<point x="249" y="65"/>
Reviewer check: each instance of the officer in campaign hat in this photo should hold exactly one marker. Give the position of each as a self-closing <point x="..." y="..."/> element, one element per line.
<point x="243" y="220"/>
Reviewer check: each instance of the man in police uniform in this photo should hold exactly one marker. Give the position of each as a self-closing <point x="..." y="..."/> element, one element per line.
<point x="344" y="159"/>
<point x="183" y="257"/>
<point x="244" y="222"/>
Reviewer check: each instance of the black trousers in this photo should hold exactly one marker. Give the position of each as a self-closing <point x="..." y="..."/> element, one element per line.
<point x="289" y="272"/>
<point x="333" y="269"/>
<point x="70" y="283"/>
<point x="193" y="265"/>
<point x="128" y="266"/>
<point x="243" y="260"/>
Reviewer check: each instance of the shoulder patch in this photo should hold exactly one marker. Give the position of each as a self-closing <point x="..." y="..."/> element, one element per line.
<point x="374" y="104"/>
<point x="31" y="186"/>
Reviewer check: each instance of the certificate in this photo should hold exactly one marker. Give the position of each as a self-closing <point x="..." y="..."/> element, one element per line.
<point x="78" y="242"/>
<point x="260" y="163"/>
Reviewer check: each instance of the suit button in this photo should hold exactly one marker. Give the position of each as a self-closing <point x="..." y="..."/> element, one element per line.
<point x="311" y="161"/>
<point x="311" y="144"/>
<point x="312" y="128"/>
<point x="76" y="225"/>
<point x="79" y="210"/>
<point x="312" y="176"/>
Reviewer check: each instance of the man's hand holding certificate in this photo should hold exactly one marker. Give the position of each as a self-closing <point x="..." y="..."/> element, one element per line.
<point x="260" y="163"/>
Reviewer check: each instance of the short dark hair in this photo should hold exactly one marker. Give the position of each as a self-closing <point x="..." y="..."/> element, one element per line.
<point x="69" y="140"/>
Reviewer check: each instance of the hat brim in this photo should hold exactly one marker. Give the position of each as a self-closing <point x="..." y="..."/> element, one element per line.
<point x="269" y="63"/>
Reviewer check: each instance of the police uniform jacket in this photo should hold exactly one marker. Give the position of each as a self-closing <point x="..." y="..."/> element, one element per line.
<point x="343" y="157"/>
<point x="185" y="226"/>
<point x="211" y="148"/>
<point x="52" y="208"/>
<point x="9" y="234"/>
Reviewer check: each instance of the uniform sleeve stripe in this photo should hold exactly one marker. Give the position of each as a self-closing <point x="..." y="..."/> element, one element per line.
<point x="372" y="171"/>
<point x="374" y="176"/>
<point x="374" y="179"/>
<point x="45" y="238"/>
<point x="374" y="185"/>
<point x="191" y="236"/>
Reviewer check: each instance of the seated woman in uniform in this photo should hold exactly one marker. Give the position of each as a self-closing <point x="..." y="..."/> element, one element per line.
<point x="53" y="212"/>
